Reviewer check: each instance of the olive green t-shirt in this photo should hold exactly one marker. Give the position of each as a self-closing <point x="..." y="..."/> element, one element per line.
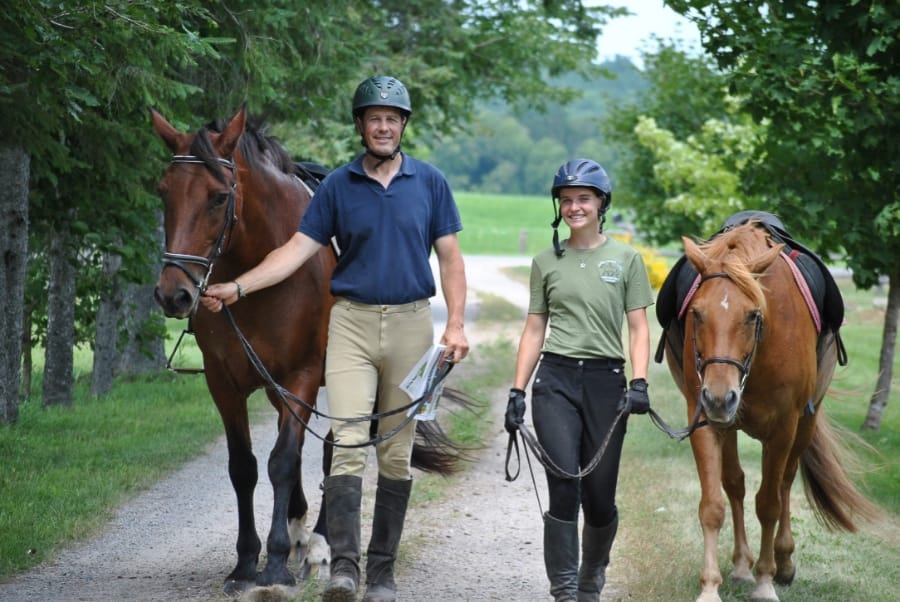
<point x="587" y="293"/>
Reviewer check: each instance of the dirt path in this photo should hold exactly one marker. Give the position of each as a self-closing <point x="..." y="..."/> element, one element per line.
<point x="482" y="541"/>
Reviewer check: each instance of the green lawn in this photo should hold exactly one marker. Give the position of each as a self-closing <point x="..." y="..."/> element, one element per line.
<point x="498" y="224"/>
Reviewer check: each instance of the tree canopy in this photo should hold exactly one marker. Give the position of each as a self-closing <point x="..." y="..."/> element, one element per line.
<point x="825" y="77"/>
<point x="77" y="78"/>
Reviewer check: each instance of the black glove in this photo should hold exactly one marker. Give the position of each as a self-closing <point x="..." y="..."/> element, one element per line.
<point x="515" y="410"/>
<point x="636" y="399"/>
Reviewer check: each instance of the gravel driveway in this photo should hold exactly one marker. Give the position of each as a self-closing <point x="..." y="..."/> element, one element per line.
<point x="482" y="541"/>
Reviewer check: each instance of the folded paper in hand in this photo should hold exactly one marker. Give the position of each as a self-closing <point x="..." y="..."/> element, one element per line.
<point x="425" y="382"/>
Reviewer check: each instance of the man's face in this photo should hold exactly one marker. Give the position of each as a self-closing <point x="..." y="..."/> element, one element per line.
<point x="381" y="128"/>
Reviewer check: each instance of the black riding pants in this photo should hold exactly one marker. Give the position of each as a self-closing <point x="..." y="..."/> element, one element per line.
<point x="574" y="404"/>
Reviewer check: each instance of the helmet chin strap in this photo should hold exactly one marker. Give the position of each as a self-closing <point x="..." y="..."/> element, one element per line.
<point x="555" y="224"/>
<point x="382" y="158"/>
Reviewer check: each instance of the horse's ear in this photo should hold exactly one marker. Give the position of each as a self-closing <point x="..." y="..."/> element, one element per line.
<point x="228" y="139"/>
<point x="166" y="131"/>
<point x="758" y="265"/>
<point x="694" y="254"/>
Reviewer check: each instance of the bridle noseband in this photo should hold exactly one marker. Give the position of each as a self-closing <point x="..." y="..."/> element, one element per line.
<point x="180" y="260"/>
<point x="744" y="366"/>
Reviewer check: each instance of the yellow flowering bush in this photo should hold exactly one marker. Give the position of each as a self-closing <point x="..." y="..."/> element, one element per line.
<point x="657" y="268"/>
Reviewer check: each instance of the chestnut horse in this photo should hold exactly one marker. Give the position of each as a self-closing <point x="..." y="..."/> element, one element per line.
<point x="230" y="197"/>
<point x="754" y="361"/>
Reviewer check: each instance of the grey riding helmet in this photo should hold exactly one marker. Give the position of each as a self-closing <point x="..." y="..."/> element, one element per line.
<point x="381" y="91"/>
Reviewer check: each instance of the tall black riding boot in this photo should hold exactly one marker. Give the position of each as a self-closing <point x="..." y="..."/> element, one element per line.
<point x="391" y="500"/>
<point x="343" y="495"/>
<point x="596" y="542"/>
<point x="561" y="557"/>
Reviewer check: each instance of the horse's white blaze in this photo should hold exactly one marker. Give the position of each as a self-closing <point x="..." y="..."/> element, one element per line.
<point x="724" y="302"/>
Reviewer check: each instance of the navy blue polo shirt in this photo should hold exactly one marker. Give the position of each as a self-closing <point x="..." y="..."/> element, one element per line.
<point x="385" y="235"/>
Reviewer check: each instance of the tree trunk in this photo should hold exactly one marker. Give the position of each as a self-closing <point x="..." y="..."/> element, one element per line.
<point x="145" y="350"/>
<point x="60" y="319"/>
<point x="27" y="354"/>
<point x="107" y="334"/>
<point x="140" y="317"/>
<point x="15" y="169"/>
<point x="886" y="361"/>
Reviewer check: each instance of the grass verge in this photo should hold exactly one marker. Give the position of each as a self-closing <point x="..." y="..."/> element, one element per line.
<point x="66" y="469"/>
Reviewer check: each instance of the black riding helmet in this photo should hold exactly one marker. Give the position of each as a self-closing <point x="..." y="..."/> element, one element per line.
<point x="381" y="91"/>
<point x="584" y="173"/>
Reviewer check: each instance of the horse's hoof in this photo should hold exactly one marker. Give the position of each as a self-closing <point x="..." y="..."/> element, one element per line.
<point x="319" y="572"/>
<point x="318" y="551"/>
<point x="235" y="587"/>
<point x="273" y="593"/>
<point x="742" y="577"/>
<point x="275" y="577"/>
<point x="786" y="579"/>
<point x="764" y="592"/>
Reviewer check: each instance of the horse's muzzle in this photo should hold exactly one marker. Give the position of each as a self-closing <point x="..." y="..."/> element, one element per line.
<point x="720" y="409"/>
<point x="179" y="302"/>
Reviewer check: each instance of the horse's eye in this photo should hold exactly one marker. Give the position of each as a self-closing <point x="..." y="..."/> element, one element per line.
<point x="219" y="199"/>
<point x="698" y="318"/>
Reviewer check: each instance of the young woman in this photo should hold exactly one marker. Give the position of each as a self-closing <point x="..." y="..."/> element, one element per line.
<point x="584" y="288"/>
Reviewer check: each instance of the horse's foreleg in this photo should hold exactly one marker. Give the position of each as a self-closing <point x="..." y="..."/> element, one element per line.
<point x="769" y="510"/>
<point x="244" y="475"/>
<point x="319" y="553"/>
<point x="298" y="531"/>
<point x="784" y="539"/>
<point x="708" y="457"/>
<point x="734" y="484"/>
<point x="284" y="462"/>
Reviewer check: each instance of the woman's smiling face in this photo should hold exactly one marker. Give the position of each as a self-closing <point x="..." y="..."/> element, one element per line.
<point x="580" y="207"/>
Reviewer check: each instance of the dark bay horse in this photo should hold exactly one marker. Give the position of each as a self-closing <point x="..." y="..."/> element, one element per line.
<point x="230" y="197"/>
<point x="753" y="360"/>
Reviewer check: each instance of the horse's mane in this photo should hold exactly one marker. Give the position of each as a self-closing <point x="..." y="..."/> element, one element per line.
<point x="734" y="248"/>
<point x="256" y="146"/>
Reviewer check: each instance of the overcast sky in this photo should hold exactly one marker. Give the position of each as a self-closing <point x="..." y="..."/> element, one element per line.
<point x="627" y="35"/>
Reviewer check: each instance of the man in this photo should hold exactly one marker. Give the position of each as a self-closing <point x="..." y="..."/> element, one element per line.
<point x="386" y="211"/>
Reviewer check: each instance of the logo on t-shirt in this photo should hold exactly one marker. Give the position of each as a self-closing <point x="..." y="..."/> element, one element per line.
<point x="610" y="270"/>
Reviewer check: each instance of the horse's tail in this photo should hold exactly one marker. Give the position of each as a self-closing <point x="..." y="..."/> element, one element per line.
<point x="433" y="450"/>
<point x="826" y="466"/>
